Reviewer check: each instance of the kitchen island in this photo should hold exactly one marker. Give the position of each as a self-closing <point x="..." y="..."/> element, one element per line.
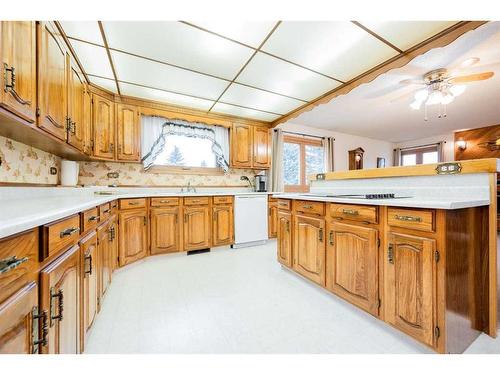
<point x="413" y="246"/>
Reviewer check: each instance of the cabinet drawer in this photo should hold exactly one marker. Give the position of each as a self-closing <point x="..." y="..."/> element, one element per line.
<point x="114" y="206"/>
<point x="196" y="201"/>
<point x="18" y="262"/>
<point x="104" y="211"/>
<point x="60" y="235"/>
<point x="132" y="203"/>
<point x="227" y="199"/>
<point x="308" y="207"/>
<point x="411" y="219"/>
<point x="367" y="214"/>
<point x="272" y="202"/>
<point x="89" y="219"/>
<point x="167" y="201"/>
<point x="284" y="204"/>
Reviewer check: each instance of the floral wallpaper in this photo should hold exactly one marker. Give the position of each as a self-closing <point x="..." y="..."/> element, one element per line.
<point x="24" y="164"/>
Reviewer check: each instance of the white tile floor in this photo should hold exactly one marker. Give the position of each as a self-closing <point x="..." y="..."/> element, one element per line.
<point x="236" y="301"/>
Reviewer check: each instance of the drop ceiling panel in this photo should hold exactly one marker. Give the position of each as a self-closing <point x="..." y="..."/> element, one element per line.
<point x="94" y="59"/>
<point x="164" y="96"/>
<point x="406" y="34"/>
<point x="157" y="75"/>
<point x="284" y="78"/>
<point x="243" y="112"/>
<point x="107" y="84"/>
<point x="258" y="99"/>
<point x="251" y="33"/>
<point x="179" y="44"/>
<point x="84" y="30"/>
<point x="338" y="49"/>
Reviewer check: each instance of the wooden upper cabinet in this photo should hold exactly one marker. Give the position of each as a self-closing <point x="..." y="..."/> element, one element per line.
<point x="352" y="264"/>
<point x="222" y="221"/>
<point x="103" y="124"/>
<point x="309" y="248"/>
<point x="128" y="133"/>
<point x="410" y="285"/>
<point x="52" y="81"/>
<point x="87" y="122"/>
<point x="18" y="59"/>
<point x="197" y="228"/>
<point x="21" y="323"/>
<point x="284" y="234"/>
<point x="76" y="91"/>
<point x="241" y="146"/>
<point x="133" y="237"/>
<point x="60" y="297"/>
<point x="261" y="147"/>
<point x="165" y="230"/>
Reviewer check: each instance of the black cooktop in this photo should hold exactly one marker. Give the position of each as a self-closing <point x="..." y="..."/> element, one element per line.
<point x="359" y="196"/>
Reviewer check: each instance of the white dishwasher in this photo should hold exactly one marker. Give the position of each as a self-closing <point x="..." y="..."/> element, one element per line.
<point x="250" y="220"/>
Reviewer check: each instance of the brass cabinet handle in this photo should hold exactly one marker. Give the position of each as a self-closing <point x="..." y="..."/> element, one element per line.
<point x="60" y="305"/>
<point x="350" y="212"/>
<point x="288" y="226"/>
<point x="320" y="235"/>
<point x="165" y="201"/>
<point x="68" y="232"/>
<point x="37" y="337"/>
<point x="133" y="203"/>
<point x="283" y="204"/>
<point x="145" y="220"/>
<point x="331" y="238"/>
<point x="12" y="86"/>
<point x="89" y="258"/>
<point x="415" y="219"/>
<point x="307" y="206"/>
<point x="111" y="147"/>
<point x="185" y="218"/>
<point x="390" y="254"/>
<point x="93" y="218"/>
<point x="107" y="211"/>
<point x="195" y="200"/>
<point x="10" y="263"/>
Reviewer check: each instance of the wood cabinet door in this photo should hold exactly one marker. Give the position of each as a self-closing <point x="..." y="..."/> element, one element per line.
<point x="261" y="147"/>
<point x="352" y="264"/>
<point x="113" y="230"/>
<point x="60" y="297"/>
<point x="52" y="81"/>
<point x="284" y="234"/>
<point x="133" y="237"/>
<point x="21" y="324"/>
<point x="128" y="132"/>
<point x="90" y="271"/>
<point x="88" y="141"/>
<point x="18" y="59"/>
<point x="273" y="221"/>
<point x="222" y="221"/>
<point x="241" y="146"/>
<point x="76" y="92"/>
<point x="165" y="230"/>
<point x="197" y="228"/>
<point x="103" y="125"/>
<point x="309" y="248"/>
<point x="410" y="285"/>
<point x="104" y="254"/>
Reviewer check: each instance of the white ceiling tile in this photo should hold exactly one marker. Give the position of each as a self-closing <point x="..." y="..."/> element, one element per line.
<point x="406" y="34"/>
<point x="94" y="59"/>
<point x="339" y="49"/>
<point x="108" y="84"/>
<point x="243" y="112"/>
<point x="251" y="33"/>
<point x="284" y="78"/>
<point x="149" y="73"/>
<point x="84" y="30"/>
<point x="179" y="44"/>
<point x="258" y="99"/>
<point x="164" y="96"/>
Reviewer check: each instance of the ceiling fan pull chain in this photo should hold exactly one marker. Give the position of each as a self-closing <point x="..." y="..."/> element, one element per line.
<point x="444" y="110"/>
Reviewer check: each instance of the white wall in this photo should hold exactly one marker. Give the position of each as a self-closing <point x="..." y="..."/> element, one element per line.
<point x="448" y="147"/>
<point x="344" y="142"/>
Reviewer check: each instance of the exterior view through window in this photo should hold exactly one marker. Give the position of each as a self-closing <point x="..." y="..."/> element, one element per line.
<point x="182" y="151"/>
<point x="420" y="155"/>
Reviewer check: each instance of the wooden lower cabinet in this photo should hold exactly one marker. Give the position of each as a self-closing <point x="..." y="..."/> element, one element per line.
<point x="222" y="225"/>
<point x="197" y="227"/>
<point x="21" y="323"/>
<point x="273" y="220"/>
<point x="113" y="232"/>
<point x="60" y="297"/>
<point x="105" y="260"/>
<point x="165" y="230"/>
<point x="309" y="248"/>
<point x="410" y="285"/>
<point x="352" y="264"/>
<point x="284" y="234"/>
<point x="90" y="288"/>
<point x="133" y="236"/>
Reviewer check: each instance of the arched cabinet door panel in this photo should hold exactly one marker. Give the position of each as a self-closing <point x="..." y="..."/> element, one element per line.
<point x="133" y="238"/>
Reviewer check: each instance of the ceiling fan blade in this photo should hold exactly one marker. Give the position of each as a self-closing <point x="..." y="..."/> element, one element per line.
<point x="412" y="82"/>
<point x="471" y="78"/>
<point x="406" y="95"/>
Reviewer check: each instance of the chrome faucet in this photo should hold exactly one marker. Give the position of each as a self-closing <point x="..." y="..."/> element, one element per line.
<point x="188" y="188"/>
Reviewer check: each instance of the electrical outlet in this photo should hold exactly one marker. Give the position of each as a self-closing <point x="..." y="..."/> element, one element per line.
<point x="113" y="175"/>
<point x="53" y="170"/>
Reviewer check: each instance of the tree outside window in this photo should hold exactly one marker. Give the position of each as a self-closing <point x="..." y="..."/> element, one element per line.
<point x="301" y="158"/>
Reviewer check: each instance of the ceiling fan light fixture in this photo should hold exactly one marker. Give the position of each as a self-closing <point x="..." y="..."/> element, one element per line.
<point x="457" y="90"/>
<point x="421" y="95"/>
<point x="447" y="99"/>
<point x="435" y="97"/>
<point x="416" y="104"/>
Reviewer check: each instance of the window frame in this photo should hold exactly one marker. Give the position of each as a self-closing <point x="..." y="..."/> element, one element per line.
<point x="303" y="187"/>
<point x="419" y="152"/>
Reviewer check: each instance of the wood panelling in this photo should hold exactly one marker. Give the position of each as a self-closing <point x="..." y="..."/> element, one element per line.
<point x="133" y="235"/>
<point x="473" y="138"/>
<point x="103" y="126"/>
<point x="128" y="130"/>
<point x="285" y="238"/>
<point x="165" y="230"/>
<point x="197" y="227"/>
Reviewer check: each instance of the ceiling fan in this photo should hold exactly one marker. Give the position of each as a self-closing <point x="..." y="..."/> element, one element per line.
<point x="442" y="86"/>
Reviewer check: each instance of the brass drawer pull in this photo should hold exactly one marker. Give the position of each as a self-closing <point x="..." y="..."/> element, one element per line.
<point x="288" y="226"/>
<point x="283" y="204"/>
<point x="350" y="212"/>
<point x="39" y="339"/>
<point x="331" y="238"/>
<point x="133" y="203"/>
<point x="195" y="200"/>
<point x="69" y="232"/>
<point x="10" y="263"/>
<point x="390" y="254"/>
<point x="415" y="219"/>
<point x="60" y="305"/>
<point x="93" y="218"/>
<point x="307" y="207"/>
<point x="89" y="258"/>
<point x="320" y="235"/>
<point x="163" y="201"/>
